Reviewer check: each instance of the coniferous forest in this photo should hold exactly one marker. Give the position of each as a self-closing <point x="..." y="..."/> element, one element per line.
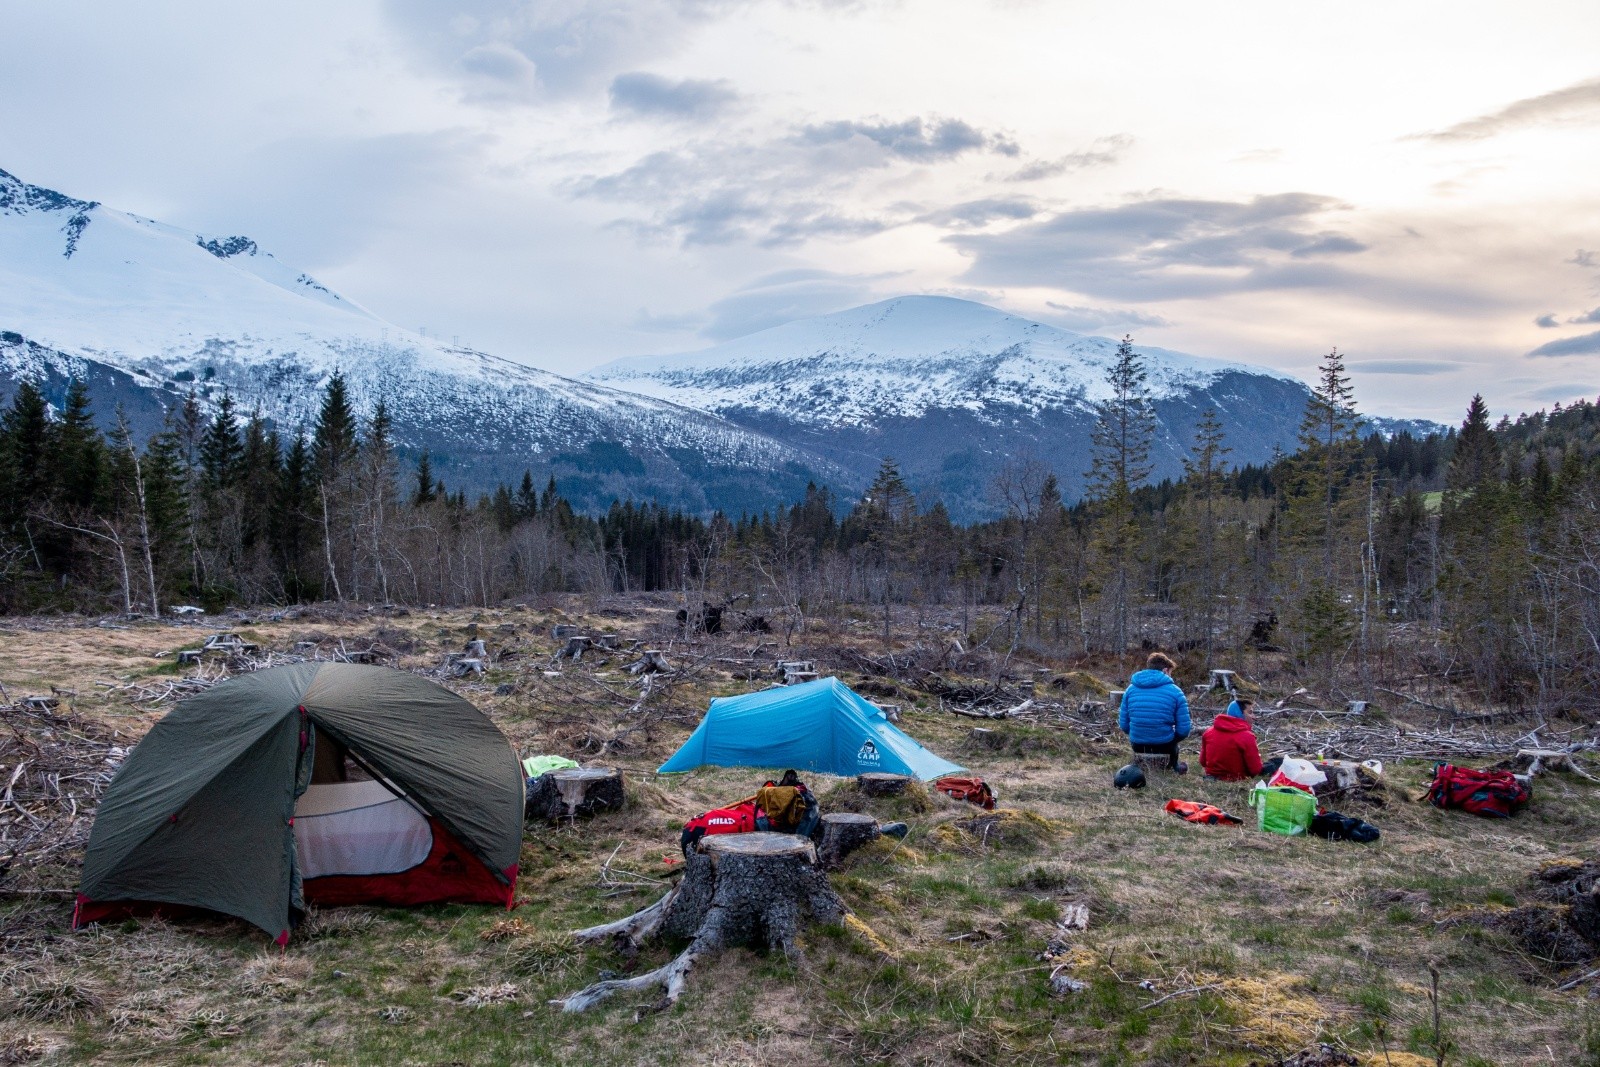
<point x="1470" y="554"/>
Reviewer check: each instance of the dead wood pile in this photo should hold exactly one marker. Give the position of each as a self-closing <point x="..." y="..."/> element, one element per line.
<point x="54" y="766"/>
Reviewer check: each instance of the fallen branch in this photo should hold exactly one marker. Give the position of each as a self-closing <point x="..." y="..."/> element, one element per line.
<point x="1179" y="993"/>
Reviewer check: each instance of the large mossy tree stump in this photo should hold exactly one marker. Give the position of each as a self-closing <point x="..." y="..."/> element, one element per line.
<point x="573" y="791"/>
<point x="842" y="833"/>
<point x="875" y="784"/>
<point x="737" y="889"/>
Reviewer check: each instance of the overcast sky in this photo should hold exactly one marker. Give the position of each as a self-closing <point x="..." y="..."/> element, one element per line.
<point x="563" y="182"/>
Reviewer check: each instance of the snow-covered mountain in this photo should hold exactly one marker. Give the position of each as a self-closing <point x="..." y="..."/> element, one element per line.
<point x="144" y="312"/>
<point x="953" y="389"/>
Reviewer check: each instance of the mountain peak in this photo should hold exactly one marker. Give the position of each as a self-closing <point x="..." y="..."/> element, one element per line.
<point x="17" y="197"/>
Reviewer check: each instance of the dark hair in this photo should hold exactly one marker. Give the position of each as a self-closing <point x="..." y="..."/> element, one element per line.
<point x="1246" y="702"/>
<point x="1160" y="661"/>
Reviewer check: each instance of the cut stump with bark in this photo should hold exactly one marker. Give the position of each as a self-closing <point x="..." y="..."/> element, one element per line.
<point x="843" y="833"/>
<point x="573" y="791"/>
<point x="652" y="660"/>
<point x="755" y="889"/>
<point x="876" y="784"/>
<point x="984" y="737"/>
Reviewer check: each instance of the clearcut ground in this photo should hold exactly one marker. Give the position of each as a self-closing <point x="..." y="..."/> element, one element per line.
<point x="1206" y="945"/>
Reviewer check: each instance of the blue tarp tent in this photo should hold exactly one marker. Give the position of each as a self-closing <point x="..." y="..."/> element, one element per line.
<point x="822" y="726"/>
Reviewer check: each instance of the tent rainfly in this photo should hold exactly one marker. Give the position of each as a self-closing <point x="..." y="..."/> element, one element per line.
<point x="313" y="783"/>
<point x="822" y="726"/>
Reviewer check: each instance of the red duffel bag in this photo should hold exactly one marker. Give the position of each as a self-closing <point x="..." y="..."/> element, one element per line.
<point x="1492" y="794"/>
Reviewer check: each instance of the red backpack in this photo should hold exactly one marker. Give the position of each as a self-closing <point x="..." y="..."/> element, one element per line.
<point x="1492" y="794"/>
<point x="739" y="819"/>
<point x="972" y="790"/>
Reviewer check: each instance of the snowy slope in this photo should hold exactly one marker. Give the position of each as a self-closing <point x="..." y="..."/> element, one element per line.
<point x="954" y="390"/>
<point x="129" y="303"/>
<point x="903" y="358"/>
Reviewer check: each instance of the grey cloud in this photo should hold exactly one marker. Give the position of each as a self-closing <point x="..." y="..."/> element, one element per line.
<point x="784" y="297"/>
<point x="913" y="139"/>
<point x="802" y="222"/>
<point x="1170" y="248"/>
<point x="1546" y="322"/>
<point x="1586" y="344"/>
<point x="1562" y="392"/>
<point x="1406" y="366"/>
<point x="1583" y="258"/>
<point x="974" y="213"/>
<point x="1090" y="319"/>
<point x="1329" y="244"/>
<point x="500" y="62"/>
<point x="1587" y="317"/>
<point x="576" y="46"/>
<point x="1579" y="103"/>
<point x="653" y="95"/>
<point x="780" y="191"/>
<point x="1103" y="153"/>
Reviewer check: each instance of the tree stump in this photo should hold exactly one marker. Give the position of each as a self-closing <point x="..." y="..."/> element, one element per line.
<point x="476" y="649"/>
<point x="609" y="642"/>
<point x="987" y="738"/>
<point x="1152" y="763"/>
<point x="573" y="791"/>
<point x="876" y="784"/>
<point x="653" y="661"/>
<point x="843" y="833"/>
<point x="574" y="648"/>
<point x="737" y="889"/>
<point x="562" y="631"/>
<point x="890" y="711"/>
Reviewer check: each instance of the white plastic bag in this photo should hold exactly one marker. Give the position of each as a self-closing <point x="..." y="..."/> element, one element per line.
<point x="1298" y="773"/>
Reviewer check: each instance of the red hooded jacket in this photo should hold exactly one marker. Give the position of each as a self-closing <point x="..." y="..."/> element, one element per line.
<point x="1228" y="749"/>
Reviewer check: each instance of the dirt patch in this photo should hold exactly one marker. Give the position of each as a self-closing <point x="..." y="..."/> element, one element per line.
<point x="1010" y="829"/>
<point x="1559" y="920"/>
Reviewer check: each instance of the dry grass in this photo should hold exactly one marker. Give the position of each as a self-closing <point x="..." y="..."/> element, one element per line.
<point x="1283" y="941"/>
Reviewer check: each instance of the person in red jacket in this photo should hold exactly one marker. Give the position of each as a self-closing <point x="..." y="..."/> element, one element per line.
<point x="1228" y="747"/>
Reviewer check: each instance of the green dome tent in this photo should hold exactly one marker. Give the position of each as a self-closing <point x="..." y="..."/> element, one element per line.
<point x="822" y="726"/>
<point x="328" y="783"/>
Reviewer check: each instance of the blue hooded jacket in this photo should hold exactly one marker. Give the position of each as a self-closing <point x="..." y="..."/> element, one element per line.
<point x="1154" y="710"/>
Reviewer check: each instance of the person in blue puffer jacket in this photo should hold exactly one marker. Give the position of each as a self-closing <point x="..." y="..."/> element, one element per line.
<point x="1155" y="713"/>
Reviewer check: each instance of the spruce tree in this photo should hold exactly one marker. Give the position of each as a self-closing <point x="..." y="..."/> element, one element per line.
<point x="221" y="449"/>
<point x="424" y="493"/>
<point x="24" y="443"/>
<point x="1203" y="470"/>
<point x="295" y="511"/>
<point x="1323" y="525"/>
<point x="1476" y="459"/>
<point x="1124" y="430"/>
<point x="76" y="457"/>
<point x="333" y="442"/>
<point x="527" y="497"/>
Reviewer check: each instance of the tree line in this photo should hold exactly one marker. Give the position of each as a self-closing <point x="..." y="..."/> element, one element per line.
<point x="1472" y="547"/>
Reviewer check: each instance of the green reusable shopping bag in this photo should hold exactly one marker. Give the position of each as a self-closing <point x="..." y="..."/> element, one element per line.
<point x="1283" y="809"/>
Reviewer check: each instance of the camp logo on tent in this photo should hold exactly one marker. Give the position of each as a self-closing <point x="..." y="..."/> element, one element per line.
<point x="821" y="726"/>
<point x="313" y="783"/>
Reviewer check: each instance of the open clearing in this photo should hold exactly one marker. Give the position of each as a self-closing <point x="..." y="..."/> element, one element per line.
<point x="1204" y="945"/>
